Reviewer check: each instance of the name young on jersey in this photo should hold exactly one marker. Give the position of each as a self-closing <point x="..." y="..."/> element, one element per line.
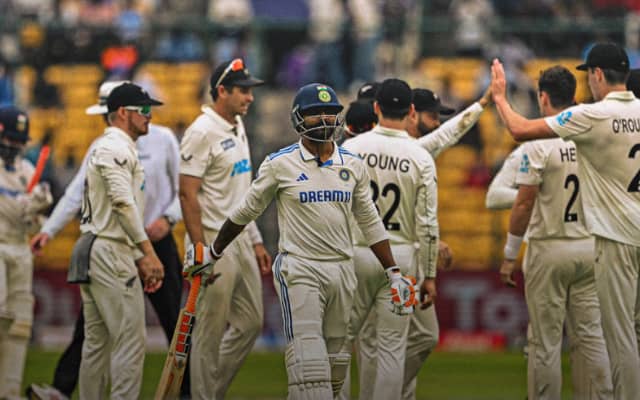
<point x="383" y="161"/>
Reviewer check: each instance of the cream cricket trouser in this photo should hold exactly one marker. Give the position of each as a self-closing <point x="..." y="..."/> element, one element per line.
<point x="16" y="274"/>
<point x="114" y="328"/>
<point x="617" y="267"/>
<point x="423" y="337"/>
<point x="559" y="285"/>
<point x="316" y="298"/>
<point x="234" y="300"/>
<point x="381" y="335"/>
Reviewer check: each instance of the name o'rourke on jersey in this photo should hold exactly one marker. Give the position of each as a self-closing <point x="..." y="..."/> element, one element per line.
<point x="625" y="125"/>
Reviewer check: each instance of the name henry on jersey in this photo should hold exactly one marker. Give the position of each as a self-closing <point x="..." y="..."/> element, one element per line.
<point x="383" y="161"/>
<point x="322" y="196"/>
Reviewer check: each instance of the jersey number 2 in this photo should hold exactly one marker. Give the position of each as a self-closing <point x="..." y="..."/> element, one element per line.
<point x="389" y="187"/>
<point x="568" y="215"/>
<point x="634" y="186"/>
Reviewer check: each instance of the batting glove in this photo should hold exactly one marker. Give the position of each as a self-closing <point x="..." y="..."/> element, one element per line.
<point x="198" y="258"/>
<point x="403" y="291"/>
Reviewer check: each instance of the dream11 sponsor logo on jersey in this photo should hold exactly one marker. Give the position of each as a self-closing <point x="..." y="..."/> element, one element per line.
<point x="241" y="167"/>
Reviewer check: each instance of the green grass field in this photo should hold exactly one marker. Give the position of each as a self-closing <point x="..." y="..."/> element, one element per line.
<point x="446" y="376"/>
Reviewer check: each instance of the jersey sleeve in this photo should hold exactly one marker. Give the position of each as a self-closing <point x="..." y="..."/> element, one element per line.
<point x="365" y="211"/>
<point x="532" y="163"/>
<point x="571" y="122"/>
<point x="502" y="191"/>
<point x="259" y="196"/>
<point x="70" y="203"/>
<point x="451" y="131"/>
<point x="427" y="229"/>
<point x="116" y="171"/>
<point x="194" y="153"/>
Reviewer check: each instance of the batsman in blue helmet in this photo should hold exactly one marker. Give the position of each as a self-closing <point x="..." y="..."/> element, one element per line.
<point x="320" y="190"/>
<point x="20" y="210"/>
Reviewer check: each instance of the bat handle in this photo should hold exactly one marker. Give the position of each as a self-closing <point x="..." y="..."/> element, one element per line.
<point x="193" y="293"/>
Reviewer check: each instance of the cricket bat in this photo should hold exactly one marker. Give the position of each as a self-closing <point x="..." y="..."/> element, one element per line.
<point x="42" y="162"/>
<point x="174" y="366"/>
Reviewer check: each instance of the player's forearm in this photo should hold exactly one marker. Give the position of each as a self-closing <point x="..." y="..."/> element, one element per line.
<point x="130" y="221"/>
<point x="451" y="131"/>
<point x="382" y="251"/>
<point x="520" y="216"/>
<point x="192" y="216"/>
<point x="521" y="128"/>
<point x="228" y="232"/>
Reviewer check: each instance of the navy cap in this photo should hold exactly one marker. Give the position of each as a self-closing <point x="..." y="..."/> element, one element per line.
<point x="394" y="95"/>
<point x="233" y="73"/>
<point x="426" y="100"/>
<point x="129" y="94"/>
<point x="368" y="91"/>
<point x="360" y="116"/>
<point x="14" y="124"/>
<point x="607" y="56"/>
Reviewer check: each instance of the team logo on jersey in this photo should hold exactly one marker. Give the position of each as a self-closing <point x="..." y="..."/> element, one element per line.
<point x="227" y="144"/>
<point x="241" y="167"/>
<point x="563" y="118"/>
<point x="120" y="163"/>
<point x="186" y="158"/>
<point x="344" y="174"/>
<point x="524" y="164"/>
<point x="302" y="177"/>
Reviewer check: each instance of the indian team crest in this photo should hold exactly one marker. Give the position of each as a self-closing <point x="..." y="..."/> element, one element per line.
<point x="324" y="95"/>
<point x="344" y="174"/>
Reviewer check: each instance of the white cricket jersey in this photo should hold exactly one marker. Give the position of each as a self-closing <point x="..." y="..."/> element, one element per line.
<point x="113" y="201"/>
<point x="503" y="190"/>
<point x="159" y="159"/>
<point x="403" y="186"/>
<point x="552" y="165"/>
<point x="217" y="152"/>
<point x="451" y="131"/>
<point x="13" y="185"/>
<point x="607" y="136"/>
<point x="315" y="202"/>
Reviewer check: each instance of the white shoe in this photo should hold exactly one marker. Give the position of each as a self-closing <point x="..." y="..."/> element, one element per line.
<point x="44" y="392"/>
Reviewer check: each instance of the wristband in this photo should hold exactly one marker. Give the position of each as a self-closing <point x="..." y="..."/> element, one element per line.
<point x="215" y="255"/>
<point x="512" y="247"/>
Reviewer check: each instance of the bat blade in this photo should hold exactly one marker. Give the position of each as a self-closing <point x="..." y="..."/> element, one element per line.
<point x="176" y="361"/>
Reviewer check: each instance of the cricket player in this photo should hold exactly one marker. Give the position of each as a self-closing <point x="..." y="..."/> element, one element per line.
<point x="318" y="188"/>
<point x="18" y="218"/>
<point x="606" y="134"/>
<point x="404" y="188"/>
<point x="215" y="174"/>
<point x="114" y="250"/>
<point x="558" y="265"/>
<point x="160" y="157"/>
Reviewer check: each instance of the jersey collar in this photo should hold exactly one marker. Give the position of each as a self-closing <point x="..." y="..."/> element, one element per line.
<point x="121" y="134"/>
<point x="335" y="159"/>
<point x="382" y="130"/>
<point x="223" y="123"/>
<point x="622" y="95"/>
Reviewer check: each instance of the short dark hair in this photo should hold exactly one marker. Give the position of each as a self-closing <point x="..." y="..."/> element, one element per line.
<point x="214" y="91"/>
<point x="393" y="114"/>
<point x="613" y="76"/>
<point x="560" y="84"/>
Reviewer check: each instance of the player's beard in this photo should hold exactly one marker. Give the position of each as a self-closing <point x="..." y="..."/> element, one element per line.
<point x="423" y="129"/>
<point x="9" y="153"/>
<point x="324" y="132"/>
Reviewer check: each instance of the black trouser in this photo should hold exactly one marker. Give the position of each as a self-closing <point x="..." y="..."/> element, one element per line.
<point x="166" y="303"/>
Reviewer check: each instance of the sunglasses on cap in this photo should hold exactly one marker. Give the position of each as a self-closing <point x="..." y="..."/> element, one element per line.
<point x="235" y="65"/>
<point x="145" y="111"/>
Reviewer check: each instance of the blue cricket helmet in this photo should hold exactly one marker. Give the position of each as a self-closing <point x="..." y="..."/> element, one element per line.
<point x="14" y="124"/>
<point x="309" y="99"/>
